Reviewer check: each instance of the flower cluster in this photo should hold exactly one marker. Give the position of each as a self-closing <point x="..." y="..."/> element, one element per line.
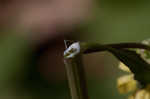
<point x="127" y="83"/>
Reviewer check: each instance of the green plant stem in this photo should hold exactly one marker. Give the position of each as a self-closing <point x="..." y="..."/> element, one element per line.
<point x="95" y="47"/>
<point x="76" y="77"/>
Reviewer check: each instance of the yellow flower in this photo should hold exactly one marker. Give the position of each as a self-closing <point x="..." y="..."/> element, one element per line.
<point x="127" y="84"/>
<point x="141" y="93"/>
<point x="123" y="67"/>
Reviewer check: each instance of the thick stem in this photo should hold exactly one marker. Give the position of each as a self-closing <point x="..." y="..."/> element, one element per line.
<point x="95" y="47"/>
<point x="76" y="77"/>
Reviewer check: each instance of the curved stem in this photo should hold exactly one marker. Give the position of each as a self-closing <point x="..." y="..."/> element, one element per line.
<point x="76" y="75"/>
<point x="91" y="48"/>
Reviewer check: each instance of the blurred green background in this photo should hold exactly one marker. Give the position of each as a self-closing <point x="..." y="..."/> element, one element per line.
<point x="116" y="21"/>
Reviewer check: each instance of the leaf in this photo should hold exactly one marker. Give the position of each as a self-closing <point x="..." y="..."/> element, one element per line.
<point x="137" y="65"/>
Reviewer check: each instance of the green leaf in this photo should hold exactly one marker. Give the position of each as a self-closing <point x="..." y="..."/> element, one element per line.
<point x="139" y="67"/>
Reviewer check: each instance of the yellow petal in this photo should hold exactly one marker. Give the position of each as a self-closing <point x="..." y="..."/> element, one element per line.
<point x="131" y="97"/>
<point x="126" y="84"/>
<point x="124" y="67"/>
<point x="147" y="95"/>
<point x="140" y="94"/>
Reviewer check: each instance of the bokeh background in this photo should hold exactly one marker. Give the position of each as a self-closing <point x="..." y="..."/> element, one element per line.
<point x="114" y="21"/>
<point x="117" y="21"/>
